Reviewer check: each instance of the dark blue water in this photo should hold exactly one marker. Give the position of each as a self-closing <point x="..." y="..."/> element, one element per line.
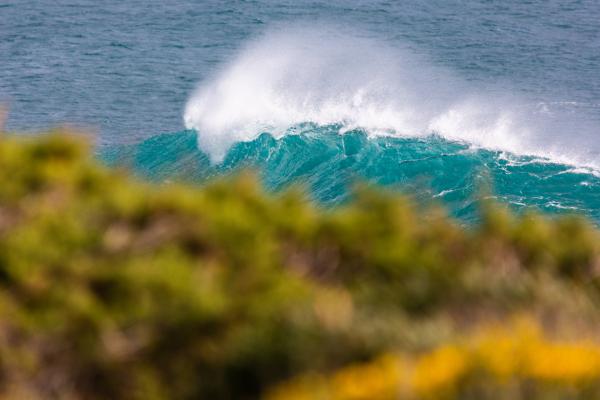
<point x="430" y="98"/>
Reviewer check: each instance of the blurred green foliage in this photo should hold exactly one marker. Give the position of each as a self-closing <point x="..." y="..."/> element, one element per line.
<point x="115" y="288"/>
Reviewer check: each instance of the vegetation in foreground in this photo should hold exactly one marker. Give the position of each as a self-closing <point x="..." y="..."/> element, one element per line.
<point x="115" y="288"/>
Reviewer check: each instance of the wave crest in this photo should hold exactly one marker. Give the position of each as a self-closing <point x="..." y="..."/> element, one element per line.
<point x="326" y="77"/>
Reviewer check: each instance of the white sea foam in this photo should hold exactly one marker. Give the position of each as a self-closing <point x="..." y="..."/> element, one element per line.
<point x="304" y="74"/>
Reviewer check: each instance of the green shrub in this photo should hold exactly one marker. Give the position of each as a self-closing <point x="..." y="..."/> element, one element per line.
<point x="115" y="288"/>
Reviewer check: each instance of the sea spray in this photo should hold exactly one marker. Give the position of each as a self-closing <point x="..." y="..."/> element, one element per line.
<point x="331" y="77"/>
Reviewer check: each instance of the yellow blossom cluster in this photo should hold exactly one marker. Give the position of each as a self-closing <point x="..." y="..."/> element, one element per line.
<point x="517" y="361"/>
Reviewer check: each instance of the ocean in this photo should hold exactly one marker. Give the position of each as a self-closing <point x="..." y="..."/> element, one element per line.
<point x="447" y="101"/>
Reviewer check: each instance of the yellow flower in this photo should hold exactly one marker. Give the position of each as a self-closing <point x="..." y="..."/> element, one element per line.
<point x="517" y="353"/>
<point x="501" y="351"/>
<point x="566" y="363"/>
<point x="378" y="380"/>
<point x="439" y="371"/>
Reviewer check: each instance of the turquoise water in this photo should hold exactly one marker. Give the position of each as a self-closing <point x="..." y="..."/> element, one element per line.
<point x="435" y="99"/>
<point x="326" y="164"/>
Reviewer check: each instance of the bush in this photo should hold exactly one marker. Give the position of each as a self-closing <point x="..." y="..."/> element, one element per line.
<point x="115" y="288"/>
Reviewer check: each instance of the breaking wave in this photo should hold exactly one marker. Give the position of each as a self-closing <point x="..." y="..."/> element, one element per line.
<point x="327" y="77"/>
